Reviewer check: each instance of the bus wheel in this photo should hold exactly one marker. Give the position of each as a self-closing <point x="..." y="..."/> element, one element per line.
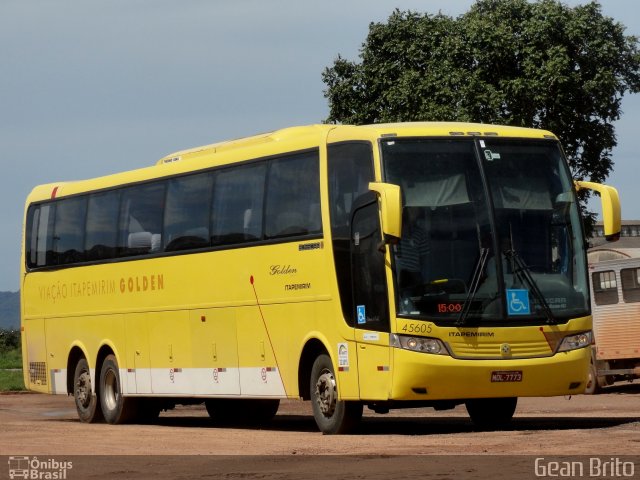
<point x="331" y="415"/>
<point x="491" y="412"/>
<point x="115" y="407"/>
<point x="593" y="385"/>
<point x="241" y="411"/>
<point x="86" y="401"/>
<point x="596" y="383"/>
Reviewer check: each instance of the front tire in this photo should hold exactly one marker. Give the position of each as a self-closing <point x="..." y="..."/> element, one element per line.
<point x="87" y="403"/>
<point x="332" y="416"/>
<point x="490" y="413"/>
<point x="115" y="407"/>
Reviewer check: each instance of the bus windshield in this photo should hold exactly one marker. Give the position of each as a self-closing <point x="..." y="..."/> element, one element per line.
<point x="491" y="231"/>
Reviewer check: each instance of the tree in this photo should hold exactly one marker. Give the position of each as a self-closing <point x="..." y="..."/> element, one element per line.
<point x="543" y="65"/>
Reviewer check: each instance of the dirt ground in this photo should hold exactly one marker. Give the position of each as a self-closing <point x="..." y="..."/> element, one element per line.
<point x="184" y="443"/>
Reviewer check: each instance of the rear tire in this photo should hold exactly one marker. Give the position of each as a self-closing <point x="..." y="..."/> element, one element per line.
<point x="116" y="408"/>
<point x="491" y="413"/>
<point x="87" y="403"/>
<point x="332" y="416"/>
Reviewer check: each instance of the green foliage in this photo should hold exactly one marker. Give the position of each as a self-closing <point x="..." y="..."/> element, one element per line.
<point x="9" y="340"/>
<point x="10" y="349"/>
<point x="11" y="359"/>
<point x="542" y="64"/>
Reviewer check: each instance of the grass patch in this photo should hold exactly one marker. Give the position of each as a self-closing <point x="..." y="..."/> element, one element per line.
<point x="11" y="358"/>
<point x="11" y="381"/>
<point x="11" y="369"/>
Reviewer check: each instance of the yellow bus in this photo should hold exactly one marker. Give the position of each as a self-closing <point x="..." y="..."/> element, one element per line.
<point x="387" y="266"/>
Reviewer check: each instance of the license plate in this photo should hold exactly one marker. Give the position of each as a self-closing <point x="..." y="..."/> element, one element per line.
<point x="507" y="376"/>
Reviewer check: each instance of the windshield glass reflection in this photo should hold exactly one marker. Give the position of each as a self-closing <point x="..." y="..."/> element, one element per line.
<point x="446" y="263"/>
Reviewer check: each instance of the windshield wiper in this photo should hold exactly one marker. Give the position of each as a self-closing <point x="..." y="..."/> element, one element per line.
<point x="473" y="289"/>
<point x="524" y="273"/>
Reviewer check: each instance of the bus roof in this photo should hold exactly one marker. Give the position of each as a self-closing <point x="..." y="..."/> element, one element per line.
<point x="277" y="142"/>
<point x="435" y="129"/>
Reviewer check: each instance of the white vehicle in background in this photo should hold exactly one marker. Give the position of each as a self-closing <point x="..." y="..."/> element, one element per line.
<point x="615" y="299"/>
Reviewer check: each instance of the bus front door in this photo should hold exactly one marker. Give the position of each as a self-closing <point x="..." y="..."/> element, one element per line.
<point x="370" y="302"/>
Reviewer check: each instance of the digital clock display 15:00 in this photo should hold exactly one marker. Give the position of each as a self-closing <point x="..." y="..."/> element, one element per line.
<point x="450" y="307"/>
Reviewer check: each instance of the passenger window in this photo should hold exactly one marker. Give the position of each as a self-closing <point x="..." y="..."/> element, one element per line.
<point x="39" y="240"/>
<point x="293" y="196"/>
<point x="68" y="237"/>
<point x="605" y="287"/>
<point x="102" y="220"/>
<point x="630" y="278"/>
<point x="141" y="215"/>
<point x="33" y="218"/>
<point x="186" y="218"/>
<point x="350" y="171"/>
<point x="237" y="204"/>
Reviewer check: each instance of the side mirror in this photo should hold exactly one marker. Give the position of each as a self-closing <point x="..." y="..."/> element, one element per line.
<point x="390" y="208"/>
<point x="610" y="207"/>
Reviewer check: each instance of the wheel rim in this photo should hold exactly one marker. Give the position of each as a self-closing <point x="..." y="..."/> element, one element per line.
<point x="83" y="389"/>
<point x="110" y="390"/>
<point x="326" y="393"/>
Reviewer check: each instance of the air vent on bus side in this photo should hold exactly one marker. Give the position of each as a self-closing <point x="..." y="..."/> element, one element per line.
<point x="38" y="373"/>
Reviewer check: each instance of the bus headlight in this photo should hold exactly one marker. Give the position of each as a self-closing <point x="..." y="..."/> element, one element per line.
<point x="418" y="344"/>
<point x="574" y="342"/>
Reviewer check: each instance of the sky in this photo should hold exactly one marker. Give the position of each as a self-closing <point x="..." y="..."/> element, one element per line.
<point x="89" y="88"/>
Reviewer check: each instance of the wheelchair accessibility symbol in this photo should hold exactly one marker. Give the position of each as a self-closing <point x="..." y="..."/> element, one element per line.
<point x="362" y="316"/>
<point x="518" y="302"/>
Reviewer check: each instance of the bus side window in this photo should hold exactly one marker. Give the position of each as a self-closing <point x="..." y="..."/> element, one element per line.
<point x="101" y="238"/>
<point x="33" y="219"/>
<point x="141" y="216"/>
<point x="237" y="204"/>
<point x="68" y="237"/>
<point x="186" y="217"/>
<point x="350" y="171"/>
<point x="293" y="196"/>
<point x="605" y="287"/>
<point x="40" y="235"/>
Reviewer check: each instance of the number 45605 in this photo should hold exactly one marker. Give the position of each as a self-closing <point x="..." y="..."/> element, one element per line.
<point x="417" y="328"/>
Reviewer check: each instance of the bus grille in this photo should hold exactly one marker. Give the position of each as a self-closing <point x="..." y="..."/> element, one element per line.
<point x="493" y="349"/>
<point x="38" y="373"/>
